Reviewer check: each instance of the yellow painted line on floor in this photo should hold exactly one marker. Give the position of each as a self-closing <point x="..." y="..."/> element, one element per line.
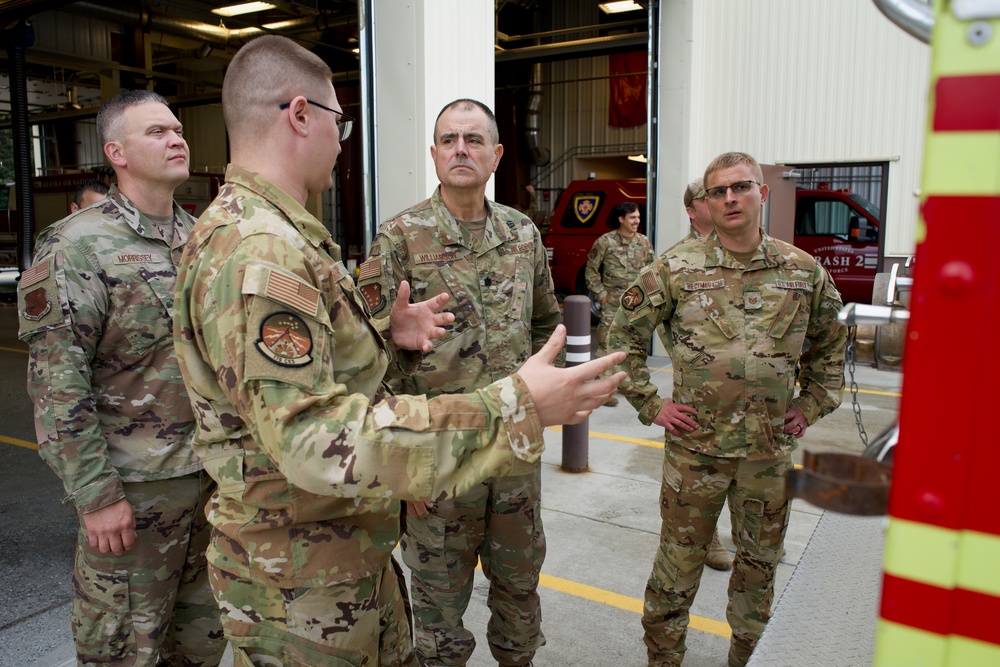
<point x="19" y="443"/>
<point x="601" y="596"/>
<point x="22" y="350"/>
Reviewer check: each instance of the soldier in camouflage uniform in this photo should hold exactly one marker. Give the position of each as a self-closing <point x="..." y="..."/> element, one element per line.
<point x="490" y="260"/>
<point x="285" y="370"/>
<point x="696" y="206"/>
<point x="112" y="417"/>
<point x="739" y="305"/>
<point x="613" y="263"/>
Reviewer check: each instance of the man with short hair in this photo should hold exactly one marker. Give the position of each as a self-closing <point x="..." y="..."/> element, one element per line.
<point x="112" y="417"/>
<point x="285" y="371"/>
<point x="491" y="262"/>
<point x="696" y="206"/>
<point x="88" y="193"/>
<point x="612" y="263"/>
<point x="739" y="307"/>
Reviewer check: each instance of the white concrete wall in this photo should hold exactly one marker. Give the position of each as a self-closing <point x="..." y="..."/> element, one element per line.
<point x="792" y="81"/>
<point x="428" y="53"/>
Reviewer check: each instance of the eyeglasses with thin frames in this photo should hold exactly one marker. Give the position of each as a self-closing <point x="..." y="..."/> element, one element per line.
<point x="739" y="188"/>
<point x="344" y="125"/>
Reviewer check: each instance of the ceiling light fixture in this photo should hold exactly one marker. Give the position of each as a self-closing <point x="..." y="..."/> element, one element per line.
<point x="638" y="158"/>
<point x="243" y="8"/>
<point x="619" y="6"/>
<point x="280" y="25"/>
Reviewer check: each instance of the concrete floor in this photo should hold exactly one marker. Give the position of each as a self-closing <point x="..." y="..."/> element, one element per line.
<point x="602" y="529"/>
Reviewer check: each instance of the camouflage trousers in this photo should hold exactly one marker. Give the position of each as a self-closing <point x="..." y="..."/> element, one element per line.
<point x="346" y="624"/>
<point x="152" y="605"/>
<point x="608" y="310"/>
<point x="694" y="489"/>
<point x="500" y="523"/>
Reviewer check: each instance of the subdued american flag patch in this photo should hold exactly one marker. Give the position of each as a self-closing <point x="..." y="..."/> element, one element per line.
<point x="370" y="269"/>
<point x="649" y="283"/>
<point x="292" y="292"/>
<point x="35" y="274"/>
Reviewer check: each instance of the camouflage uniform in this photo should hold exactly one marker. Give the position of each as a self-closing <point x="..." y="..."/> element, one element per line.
<point x="312" y="454"/>
<point x="737" y="333"/>
<point x="622" y="259"/>
<point x="501" y="293"/>
<point x="113" y="421"/>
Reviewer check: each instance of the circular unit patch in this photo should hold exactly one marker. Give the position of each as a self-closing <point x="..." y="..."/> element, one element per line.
<point x="632" y="297"/>
<point x="285" y="339"/>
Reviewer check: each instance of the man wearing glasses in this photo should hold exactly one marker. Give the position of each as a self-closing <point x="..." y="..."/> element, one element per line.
<point x="285" y="373"/>
<point x="491" y="262"/>
<point x="738" y="306"/>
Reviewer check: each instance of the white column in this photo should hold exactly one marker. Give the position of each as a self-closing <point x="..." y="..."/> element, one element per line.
<point x="427" y="53"/>
<point x="677" y="124"/>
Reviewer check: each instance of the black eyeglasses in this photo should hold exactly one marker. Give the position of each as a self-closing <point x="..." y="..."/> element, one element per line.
<point x="739" y="188"/>
<point x="344" y="125"/>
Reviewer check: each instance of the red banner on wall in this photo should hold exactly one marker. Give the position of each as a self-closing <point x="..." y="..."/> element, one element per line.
<point x="627" y="106"/>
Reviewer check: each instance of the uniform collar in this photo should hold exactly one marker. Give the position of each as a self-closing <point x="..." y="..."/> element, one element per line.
<point x="141" y="225"/>
<point x="451" y="232"/>
<point x="304" y="221"/>
<point x="768" y="254"/>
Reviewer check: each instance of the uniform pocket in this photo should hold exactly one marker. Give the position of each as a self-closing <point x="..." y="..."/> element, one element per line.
<point x="786" y="315"/>
<point x="143" y="307"/>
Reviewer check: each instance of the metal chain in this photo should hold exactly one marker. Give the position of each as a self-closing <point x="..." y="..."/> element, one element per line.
<point x="851" y="356"/>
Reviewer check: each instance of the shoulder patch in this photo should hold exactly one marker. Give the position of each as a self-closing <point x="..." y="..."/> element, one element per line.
<point x="285" y="339"/>
<point x="35" y="274"/>
<point x="649" y="282"/>
<point x="633" y="297"/>
<point x="372" y="268"/>
<point x="372" y="293"/>
<point x="290" y="290"/>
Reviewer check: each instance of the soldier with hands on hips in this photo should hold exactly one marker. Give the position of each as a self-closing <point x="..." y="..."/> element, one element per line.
<point x="490" y="261"/>
<point x="111" y="413"/>
<point x="739" y="307"/>
<point x="285" y="369"/>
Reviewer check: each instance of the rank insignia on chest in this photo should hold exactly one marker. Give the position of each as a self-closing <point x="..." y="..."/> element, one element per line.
<point x="752" y="301"/>
<point x="286" y="340"/>
<point x="36" y="305"/>
<point x="632" y="297"/>
<point x="372" y="294"/>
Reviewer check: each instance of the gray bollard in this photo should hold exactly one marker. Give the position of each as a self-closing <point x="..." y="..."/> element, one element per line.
<point x="575" y="437"/>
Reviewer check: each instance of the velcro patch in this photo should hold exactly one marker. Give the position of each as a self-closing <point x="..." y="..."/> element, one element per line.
<point x="370" y="269"/>
<point x="632" y="297"/>
<point x="293" y="292"/>
<point x="35" y="274"/>
<point x="373" y="296"/>
<point x="36" y="304"/>
<point x="431" y="257"/>
<point x="792" y="284"/>
<point x="134" y="258"/>
<point x="699" y="285"/>
<point x="517" y="248"/>
<point x="649" y="282"/>
<point x="285" y="339"/>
